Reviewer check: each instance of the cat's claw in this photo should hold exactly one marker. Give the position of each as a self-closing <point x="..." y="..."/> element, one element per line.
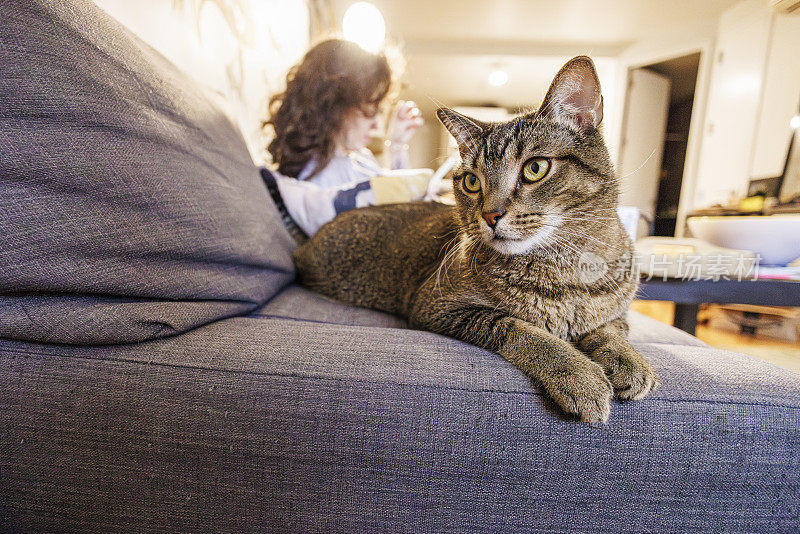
<point x="630" y="374"/>
<point x="583" y="390"/>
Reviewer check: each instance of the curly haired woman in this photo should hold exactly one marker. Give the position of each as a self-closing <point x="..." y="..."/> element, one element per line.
<point x="322" y="123"/>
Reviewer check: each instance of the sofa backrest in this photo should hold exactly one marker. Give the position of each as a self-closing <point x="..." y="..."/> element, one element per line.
<point x="130" y="208"/>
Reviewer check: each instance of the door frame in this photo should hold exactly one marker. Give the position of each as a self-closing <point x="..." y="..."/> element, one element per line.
<point x="697" y="123"/>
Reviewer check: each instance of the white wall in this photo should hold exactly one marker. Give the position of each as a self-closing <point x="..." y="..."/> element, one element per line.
<point x="695" y="36"/>
<point x="241" y="49"/>
<point x="754" y="93"/>
<point x="734" y="101"/>
<point x="781" y="97"/>
<point x="748" y="89"/>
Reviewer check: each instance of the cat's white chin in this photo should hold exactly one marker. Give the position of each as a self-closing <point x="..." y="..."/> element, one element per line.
<point x="516" y="247"/>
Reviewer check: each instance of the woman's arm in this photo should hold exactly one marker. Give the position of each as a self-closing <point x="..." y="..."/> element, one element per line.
<point x="398" y="154"/>
<point x="406" y="119"/>
<point x="312" y="205"/>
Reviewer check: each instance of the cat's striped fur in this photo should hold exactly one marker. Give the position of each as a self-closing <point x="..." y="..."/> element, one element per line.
<point x="516" y="286"/>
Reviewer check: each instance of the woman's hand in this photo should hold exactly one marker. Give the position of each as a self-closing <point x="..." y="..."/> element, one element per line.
<point x="405" y="121"/>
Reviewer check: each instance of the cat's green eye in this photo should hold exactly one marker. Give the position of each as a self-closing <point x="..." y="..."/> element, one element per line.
<point x="471" y="183"/>
<point x="535" y="169"/>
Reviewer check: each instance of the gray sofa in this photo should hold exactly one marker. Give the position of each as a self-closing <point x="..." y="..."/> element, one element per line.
<point x="160" y="372"/>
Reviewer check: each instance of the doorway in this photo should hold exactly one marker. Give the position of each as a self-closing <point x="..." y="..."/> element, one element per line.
<point x="658" y="115"/>
<point x="682" y="73"/>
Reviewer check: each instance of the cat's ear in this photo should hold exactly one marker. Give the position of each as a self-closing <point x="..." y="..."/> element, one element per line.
<point x="465" y="130"/>
<point x="574" y="96"/>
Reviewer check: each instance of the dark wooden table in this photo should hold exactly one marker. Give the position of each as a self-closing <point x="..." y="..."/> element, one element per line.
<point x="689" y="294"/>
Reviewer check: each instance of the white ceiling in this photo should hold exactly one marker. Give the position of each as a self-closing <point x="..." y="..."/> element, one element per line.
<point x="600" y="23"/>
<point x="440" y="79"/>
<point x="451" y="45"/>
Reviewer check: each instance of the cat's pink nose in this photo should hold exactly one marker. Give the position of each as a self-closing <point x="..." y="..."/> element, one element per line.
<point x="492" y="217"/>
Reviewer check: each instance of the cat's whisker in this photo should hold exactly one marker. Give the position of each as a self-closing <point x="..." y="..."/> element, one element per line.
<point x="465" y="249"/>
<point x="457" y="229"/>
<point x="443" y="268"/>
<point x="576" y="233"/>
<point x="463" y="123"/>
<point x="475" y="244"/>
<point x="473" y="142"/>
<point x="593" y="239"/>
<point x="586" y="215"/>
<point x="450" y="250"/>
<point x="591" y="211"/>
<point x="637" y="169"/>
<point x="570" y="218"/>
<point x="590" y="216"/>
<point x="564" y="243"/>
<point x="572" y="208"/>
<point x="615" y="289"/>
<point x="590" y="303"/>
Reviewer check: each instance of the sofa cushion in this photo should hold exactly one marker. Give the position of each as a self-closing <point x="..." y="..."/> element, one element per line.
<point x="129" y="204"/>
<point x="299" y="304"/>
<point x="262" y="424"/>
<point x="645" y="329"/>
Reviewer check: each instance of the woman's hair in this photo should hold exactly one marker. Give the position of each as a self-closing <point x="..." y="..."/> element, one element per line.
<point x="334" y="76"/>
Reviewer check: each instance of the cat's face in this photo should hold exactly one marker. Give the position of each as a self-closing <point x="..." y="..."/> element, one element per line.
<point x="540" y="180"/>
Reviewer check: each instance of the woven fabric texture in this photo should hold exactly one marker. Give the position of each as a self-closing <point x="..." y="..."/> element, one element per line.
<point x="130" y="207"/>
<point x="258" y="424"/>
<point x="130" y="210"/>
<point x="296" y="302"/>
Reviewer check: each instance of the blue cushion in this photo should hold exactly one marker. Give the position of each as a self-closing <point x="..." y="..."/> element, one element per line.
<point x="300" y="304"/>
<point x="263" y="424"/>
<point x="129" y="204"/>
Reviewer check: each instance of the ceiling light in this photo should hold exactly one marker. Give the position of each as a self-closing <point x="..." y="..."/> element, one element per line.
<point x="795" y="122"/>
<point x="363" y="24"/>
<point x="498" y="78"/>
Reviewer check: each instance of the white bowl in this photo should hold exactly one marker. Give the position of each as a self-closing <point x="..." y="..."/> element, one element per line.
<point x="775" y="237"/>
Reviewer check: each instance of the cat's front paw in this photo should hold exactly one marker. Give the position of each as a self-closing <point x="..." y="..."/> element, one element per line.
<point x="630" y="374"/>
<point x="581" y="388"/>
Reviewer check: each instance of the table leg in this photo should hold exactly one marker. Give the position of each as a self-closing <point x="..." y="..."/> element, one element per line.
<point x="686" y="317"/>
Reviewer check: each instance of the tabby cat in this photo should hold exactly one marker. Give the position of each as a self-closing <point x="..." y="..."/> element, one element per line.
<point x="535" y="197"/>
